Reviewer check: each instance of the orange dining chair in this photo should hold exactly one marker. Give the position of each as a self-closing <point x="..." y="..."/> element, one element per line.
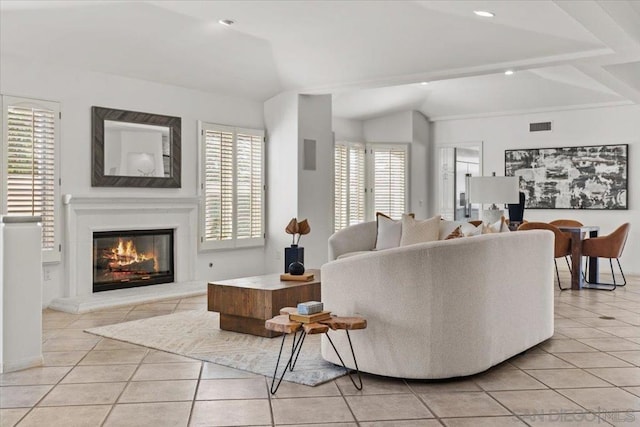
<point x="566" y="223"/>
<point x="609" y="246"/>
<point x="562" y="245"/>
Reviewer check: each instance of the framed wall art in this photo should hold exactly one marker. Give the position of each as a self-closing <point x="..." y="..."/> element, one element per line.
<point x="587" y="177"/>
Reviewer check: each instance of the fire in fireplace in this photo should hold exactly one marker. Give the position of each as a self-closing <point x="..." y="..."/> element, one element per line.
<point x="130" y="258"/>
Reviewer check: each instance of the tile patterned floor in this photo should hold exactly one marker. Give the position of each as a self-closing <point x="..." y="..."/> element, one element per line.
<point x="587" y="374"/>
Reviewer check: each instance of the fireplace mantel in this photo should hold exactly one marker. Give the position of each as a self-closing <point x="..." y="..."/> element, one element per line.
<point x="83" y="215"/>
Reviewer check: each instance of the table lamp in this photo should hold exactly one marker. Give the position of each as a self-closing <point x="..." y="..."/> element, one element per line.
<point x="493" y="190"/>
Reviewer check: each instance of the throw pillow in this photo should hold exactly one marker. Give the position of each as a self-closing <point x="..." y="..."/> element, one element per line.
<point x="497" y="227"/>
<point x="455" y="234"/>
<point x="469" y="229"/>
<point x="419" y="231"/>
<point x="389" y="232"/>
<point x="446" y="227"/>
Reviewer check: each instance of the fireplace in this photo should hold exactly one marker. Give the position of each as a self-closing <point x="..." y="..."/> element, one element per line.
<point x="131" y="258"/>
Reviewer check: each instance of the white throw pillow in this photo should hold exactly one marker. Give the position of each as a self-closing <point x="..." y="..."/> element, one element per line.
<point x="389" y="232"/>
<point x="419" y="231"/>
<point x="469" y="229"/>
<point x="446" y="227"/>
<point x="497" y="227"/>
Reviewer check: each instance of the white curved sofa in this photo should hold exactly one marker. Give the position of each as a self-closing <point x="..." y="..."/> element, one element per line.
<point x="440" y="309"/>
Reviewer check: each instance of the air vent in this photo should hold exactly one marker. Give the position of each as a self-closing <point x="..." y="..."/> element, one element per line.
<point x="539" y="127"/>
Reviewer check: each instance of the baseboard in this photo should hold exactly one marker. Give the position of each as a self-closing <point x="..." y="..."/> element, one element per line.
<point x="123" y="297"/>
<point x="18" y="365"/>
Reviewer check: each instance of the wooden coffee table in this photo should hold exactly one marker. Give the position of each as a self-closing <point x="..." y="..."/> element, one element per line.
<point x="246" y="303"/>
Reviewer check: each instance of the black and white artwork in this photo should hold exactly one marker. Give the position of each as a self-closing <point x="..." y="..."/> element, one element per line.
<point x="591" y="177"/>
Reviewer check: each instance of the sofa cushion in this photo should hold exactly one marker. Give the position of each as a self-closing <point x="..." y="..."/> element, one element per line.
<point x="419" y="231"/>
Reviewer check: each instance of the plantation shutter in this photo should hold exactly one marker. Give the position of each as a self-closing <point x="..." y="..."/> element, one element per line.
<point x="30" y="169"/>
<point x="349" y="181"/>
<point x="249" y="185"/>
<point x="389" y="169"/>
<point x="218" y="185"/>
<point x="232" y="187"/>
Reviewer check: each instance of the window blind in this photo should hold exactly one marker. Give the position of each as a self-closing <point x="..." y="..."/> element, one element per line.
<point x="31" y="166"/>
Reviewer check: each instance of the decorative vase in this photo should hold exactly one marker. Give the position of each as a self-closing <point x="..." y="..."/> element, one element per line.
<point x="291" y="255"/>
<point x="296" y="269"/>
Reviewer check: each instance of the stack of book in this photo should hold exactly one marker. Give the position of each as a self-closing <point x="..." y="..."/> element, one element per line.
<point x="309" y="318"/>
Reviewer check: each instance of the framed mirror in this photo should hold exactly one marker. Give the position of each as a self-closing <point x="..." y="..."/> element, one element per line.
<point x="133" y="149"/>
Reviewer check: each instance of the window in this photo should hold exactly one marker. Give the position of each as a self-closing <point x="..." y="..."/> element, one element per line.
<point x="369" y="179"/>
<point x="232" y="184"/>
<point x="30" y="171"/>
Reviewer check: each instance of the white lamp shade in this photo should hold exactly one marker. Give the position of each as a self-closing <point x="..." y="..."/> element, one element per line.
<point x="494" y="189"/>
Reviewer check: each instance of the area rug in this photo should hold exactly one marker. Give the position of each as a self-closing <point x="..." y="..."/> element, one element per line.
<point x="196" y="334"/>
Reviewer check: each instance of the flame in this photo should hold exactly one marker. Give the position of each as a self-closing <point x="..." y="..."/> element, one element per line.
<point x="125" y="253"/>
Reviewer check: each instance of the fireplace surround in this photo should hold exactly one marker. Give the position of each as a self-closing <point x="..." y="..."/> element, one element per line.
<point x="132" y="258"/>
<point x="87" y="215"/>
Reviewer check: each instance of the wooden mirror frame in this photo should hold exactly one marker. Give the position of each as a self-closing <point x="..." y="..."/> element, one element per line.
<point x="98" y="177"/>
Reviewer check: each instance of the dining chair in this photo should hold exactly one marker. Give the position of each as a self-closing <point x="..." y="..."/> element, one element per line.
<point x="566" y="223"/>
<point x="609" y="246"/>
<point x="562" y="245"/>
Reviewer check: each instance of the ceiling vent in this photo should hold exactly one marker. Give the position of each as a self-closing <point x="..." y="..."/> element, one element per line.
<point x="540" y="127"/>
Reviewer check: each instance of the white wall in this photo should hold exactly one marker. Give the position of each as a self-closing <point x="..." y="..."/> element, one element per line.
<point x="281" y="122"/>
<point x="78" y="91"/>
<point x="397" y="127"/>
<point x="348" y="130"/>
<point x="420" y="156"/>
<point x="315" y="187"/>
<point x="291" y="191"/>
<point x="614" y="125"/>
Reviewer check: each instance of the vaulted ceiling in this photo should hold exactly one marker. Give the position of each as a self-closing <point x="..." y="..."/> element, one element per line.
<point x="371" y="55"/>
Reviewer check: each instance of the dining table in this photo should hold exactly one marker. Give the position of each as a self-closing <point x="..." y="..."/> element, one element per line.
<point x="578" y="234"/>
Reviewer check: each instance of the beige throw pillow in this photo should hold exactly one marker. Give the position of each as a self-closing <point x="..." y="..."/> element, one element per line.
<point x="419" y="231"/>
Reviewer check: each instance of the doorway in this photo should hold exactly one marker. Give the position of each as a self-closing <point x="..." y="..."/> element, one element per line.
<point x="456" y="163"/>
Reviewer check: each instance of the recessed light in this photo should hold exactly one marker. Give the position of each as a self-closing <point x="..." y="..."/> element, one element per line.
<point x="484" y="13"/>
<point x="424" y="83"/>
<point x="508" y="72"/>
<point x="226" y="22"/>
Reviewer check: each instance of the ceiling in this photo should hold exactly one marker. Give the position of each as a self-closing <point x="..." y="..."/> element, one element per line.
<point x="371" y="55"/>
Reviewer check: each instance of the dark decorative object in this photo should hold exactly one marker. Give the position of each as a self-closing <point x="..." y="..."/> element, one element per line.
<point x="167" y="157"/>
<point x="296" y="269"/>
<point x="293" y="254"/>
<point x="588" y="177"/>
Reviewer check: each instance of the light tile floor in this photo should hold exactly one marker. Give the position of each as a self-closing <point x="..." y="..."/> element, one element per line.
<point x="587" y="374"/>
